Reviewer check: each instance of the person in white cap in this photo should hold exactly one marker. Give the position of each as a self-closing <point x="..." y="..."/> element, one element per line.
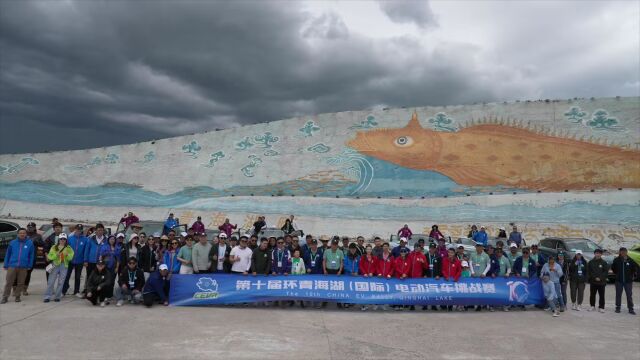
<point x="502" y="233"/>
<point x="220" y="254"/>
<point x="513" y="254"/>
<point x="403" y="245"/>
<point x="59" y="257"/>
<point x="156" y="289"/>
<point x="131" y="250"/>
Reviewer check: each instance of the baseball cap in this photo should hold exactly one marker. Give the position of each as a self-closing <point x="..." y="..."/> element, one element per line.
<point x="314" y="241"/>
<point x="465" y="263"/>
<point x="120" y="235"/>
<point x="223" y="235"/>
<point x="597" y="251"/>
<point x="432" y="245"/>
<point x="513" y="245"/>
<point x="502" y="228"/>
<point x="403" y="239"/>
<point x="578" y="252"/>
<point x="335" y="241"/>
<point x="62" y="236"/>
<point x="478" y="244"/>
<point x="31" y="224"/>
<point x="133" y="236"/>
<point x="163" y="267"/>
<point x="100" y="262"/>
<point x="202" y="233"/>
<point x="79" y="227"/>
<point x="459" y="247"/>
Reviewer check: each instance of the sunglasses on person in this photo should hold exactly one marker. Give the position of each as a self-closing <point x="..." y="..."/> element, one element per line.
<point x="280" y="242"/>
<point x="132" y="263"/>
<point x="174" y="243"/>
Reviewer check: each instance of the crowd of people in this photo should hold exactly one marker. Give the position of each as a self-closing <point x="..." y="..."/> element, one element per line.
<point x="139" y="269"/>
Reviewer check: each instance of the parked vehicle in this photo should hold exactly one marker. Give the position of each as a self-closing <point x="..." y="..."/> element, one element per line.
<point x="269" y="232"/>
<point x="8" y="232"/>
<point x="551" y="247"/>
<point x="148" y="227"/>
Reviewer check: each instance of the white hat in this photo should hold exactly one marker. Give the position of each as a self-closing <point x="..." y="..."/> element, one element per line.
<point x="482" y="227"/>
<point x="403" y="239"/>
<point x="120" y="235"/>
<point x="465" y="263"/>
<point x="223" y="235"/>
<point x="502" y="228"/>
<point x="183" y="234"/>
<point x="513" y="245"/>
<point x="163" y="267"/>
<point x="578" y="252"/>
<point x="62" y="236"/>
<point x="133" y="236"/>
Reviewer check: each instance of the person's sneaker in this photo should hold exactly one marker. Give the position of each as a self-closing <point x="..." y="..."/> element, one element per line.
<point x="492" y="309"/>
<point x="79" y="295"/>
<point x="556" y="314"/>
<point x="102" y="304"/>
<point x="56" y="300"/>
<point x="632" y="312"/>
<point x="47" y="300"/>
<point x="4" y="301"/>
<point x="25" y="293"/>
<point x="119" y="303"/>
<point x="579" y="308"/>
<point x="364" y="308"/>
<point x="562" y="309"/>
<point x="547" y="309"/>
<point x="593" y="308"/>
<point x="573" y="306"/>
<point x="18" y="299"/>
<point x="506" y="308"/>
<point x="617" y="310"/>
<point x="601" y="311"/>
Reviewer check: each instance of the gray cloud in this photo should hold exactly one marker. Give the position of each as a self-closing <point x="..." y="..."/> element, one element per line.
<point x="87" y="73"/>
<point x="409" y="11"/>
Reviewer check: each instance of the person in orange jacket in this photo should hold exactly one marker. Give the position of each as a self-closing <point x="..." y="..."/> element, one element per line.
<point x="417" y="262"/>
<point x="385" y="262"/>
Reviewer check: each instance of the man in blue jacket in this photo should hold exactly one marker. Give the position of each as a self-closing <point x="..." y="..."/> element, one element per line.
<point x="157" y="287"/>
<point x="481" y="237"/>
<point x="78" y="242"/>
<point x="17" y="262"/>
<point x="92" y="250"/>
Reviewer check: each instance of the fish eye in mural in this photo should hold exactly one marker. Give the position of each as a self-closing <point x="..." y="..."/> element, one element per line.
<point x="495" y="153"/>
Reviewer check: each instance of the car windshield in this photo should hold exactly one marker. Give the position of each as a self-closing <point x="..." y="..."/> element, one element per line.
<point x="466" y="241"/>
<point x="46" y="234"/>
<point x="584" y="245"/>
<point x="148" y="228"/>
<point x="271" y="232"/>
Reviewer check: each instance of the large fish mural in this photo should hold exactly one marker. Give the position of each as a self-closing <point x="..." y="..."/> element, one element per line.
<point x="499" y="154"/>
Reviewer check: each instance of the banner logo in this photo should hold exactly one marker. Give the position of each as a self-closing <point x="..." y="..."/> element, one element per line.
<point x="209" y="288"/>
<point x="518" y="291"/>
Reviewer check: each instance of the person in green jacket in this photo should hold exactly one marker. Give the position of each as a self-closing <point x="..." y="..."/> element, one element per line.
<point x="59" y="257"/>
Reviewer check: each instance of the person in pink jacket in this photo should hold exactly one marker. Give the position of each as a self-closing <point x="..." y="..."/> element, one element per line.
<point x="405" y="232"/>
<point x="227" y="228"/>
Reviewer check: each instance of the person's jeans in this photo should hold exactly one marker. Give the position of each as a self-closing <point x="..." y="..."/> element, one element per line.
<point x="57" y="275"/>
<point x="577" y="291"/>
<point x="559" y="292"/>
<point x="14" y="274"/>
<point x="552" y="304"/>
<point x="627" y="287"/>
<point x="593" y="288"/>
<point x="563" y="290"/>
<point x="186" y="269"/>
<point x="77" y="268"/>
<point x="136" y="295"/>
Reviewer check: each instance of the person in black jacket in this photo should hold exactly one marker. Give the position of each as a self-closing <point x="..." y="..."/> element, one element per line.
<point x="597" y="270"/>
<point x="98" y="284"/>
<point x="130" y="283"/>
<point x="578" y="279"/>
<point x="147" y="256"/>
<point x="625" y="269"/>
<point x="434" y="267"/>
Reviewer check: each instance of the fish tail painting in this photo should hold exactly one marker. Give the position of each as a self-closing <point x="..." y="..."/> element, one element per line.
<point x="498" y="154"/>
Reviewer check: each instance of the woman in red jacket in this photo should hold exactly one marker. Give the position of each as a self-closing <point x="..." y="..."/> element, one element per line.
<point x="385" y="262"/>
<point x="368" y="263"/>
<point x="451" y="268"/>
<point x="401" y="269"/>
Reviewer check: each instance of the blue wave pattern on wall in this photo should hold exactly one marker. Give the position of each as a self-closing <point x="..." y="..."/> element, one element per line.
<point x="207" y="199"/>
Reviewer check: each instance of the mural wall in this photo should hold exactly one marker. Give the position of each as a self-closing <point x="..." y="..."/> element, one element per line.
<point x="576" y="156"/>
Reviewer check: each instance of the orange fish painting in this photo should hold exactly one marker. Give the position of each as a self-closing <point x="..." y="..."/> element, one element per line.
<point x="494" y="154"/>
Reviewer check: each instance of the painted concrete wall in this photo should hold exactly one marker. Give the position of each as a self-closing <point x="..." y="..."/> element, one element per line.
<point x="471" y="164"/>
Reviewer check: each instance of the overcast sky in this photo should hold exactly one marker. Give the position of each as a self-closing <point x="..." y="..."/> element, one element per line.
<point x="82" y="74"/>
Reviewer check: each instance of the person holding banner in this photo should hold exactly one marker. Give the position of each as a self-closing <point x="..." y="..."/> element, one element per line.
<point x="261" y="259"/>
<point x="333" y="262"/>
<point x="313" y="264"/>
<point x="368" y="267"/>
<point x="451" y="269"/>
<point x="219" y="255"/>
<point x="385" y="262"/>
<point x="480" y="264"/>
<point x="170" y="257"/>
<point x="351" y="264"/>
<point x="525" y="267"/>
<point x="280" y="259"/>
<point x="433" y="267"/>
<point x="401" y="269"/>
<point x="417" y="264"/>
<point x="240" y="257"/>
<point x="157" y="287"/>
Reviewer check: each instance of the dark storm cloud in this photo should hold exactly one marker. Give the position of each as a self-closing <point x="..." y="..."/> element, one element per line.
<point x="409" y="11"/>
<point x="90" y="73"/>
